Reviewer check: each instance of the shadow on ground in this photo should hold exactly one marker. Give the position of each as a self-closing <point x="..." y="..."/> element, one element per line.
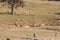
<point x="58" y="13"/>
<point x="4" y="13"/>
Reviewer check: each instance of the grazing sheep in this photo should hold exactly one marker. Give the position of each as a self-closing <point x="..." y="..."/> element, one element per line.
<point x="43" y="24"/>
<point x="26" y="26"/>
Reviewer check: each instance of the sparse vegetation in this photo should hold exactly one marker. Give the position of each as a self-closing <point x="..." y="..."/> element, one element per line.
<point x="38" y="19"/>
<point x="33" y="14"/>
<point x="13" y="4"/>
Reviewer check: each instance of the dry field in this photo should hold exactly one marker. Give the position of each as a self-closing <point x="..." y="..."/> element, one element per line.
<point x="28" y="34"/>
<point x="43" y="11"/>
<point x="35" y="12"/>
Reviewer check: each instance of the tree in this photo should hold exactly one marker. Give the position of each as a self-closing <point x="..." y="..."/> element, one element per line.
<point x="14" y="4"/>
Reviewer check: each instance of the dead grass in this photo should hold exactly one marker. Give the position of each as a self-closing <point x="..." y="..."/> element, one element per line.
<point x="39" y="9"/>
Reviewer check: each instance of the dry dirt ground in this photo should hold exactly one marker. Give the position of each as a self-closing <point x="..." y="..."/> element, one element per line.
<point x="41" y="10"/>
<point x="28" y="34"/>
